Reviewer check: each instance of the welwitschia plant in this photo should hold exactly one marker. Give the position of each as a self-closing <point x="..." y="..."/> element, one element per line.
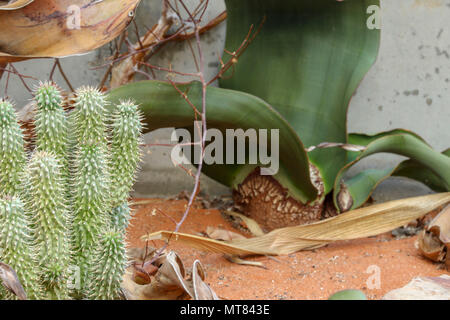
<point x="300" y="67"/>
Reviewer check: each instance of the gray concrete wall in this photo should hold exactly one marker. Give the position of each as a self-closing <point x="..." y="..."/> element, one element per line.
<point x="407" y="88"/>
<point x="409" y="85"/>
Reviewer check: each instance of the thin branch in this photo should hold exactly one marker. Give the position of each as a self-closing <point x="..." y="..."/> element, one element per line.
<point x="185" y="98"/>
<point x="7" y="83"/>
<point x="21" y="77"/>
<point x="169" y="70"/>
<point x="52" y="72"/>
<point x="238" y="53"/>
<point x="2" y="69"/>
<point x="64" y="75"/>
<point x="211" y="25"/>
<point x="204" y="83"/>
<point x="116" y="55"/>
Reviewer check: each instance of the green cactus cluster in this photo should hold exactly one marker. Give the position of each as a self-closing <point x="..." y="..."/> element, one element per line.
<point x="64" y="205"/>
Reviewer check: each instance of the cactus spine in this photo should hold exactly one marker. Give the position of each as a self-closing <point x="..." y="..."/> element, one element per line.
<point x="108" y="267"/>
<point x="12" y="152"/>
<point x="47" y="205"/>
<point x="17" y="248"/>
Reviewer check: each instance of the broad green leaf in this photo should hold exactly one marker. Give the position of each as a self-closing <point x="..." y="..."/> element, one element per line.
<point x="164" y="107"/>
<point x="361" y="186"/>
<point x="362" y="139"/>
<point x="307" y="62"/>
<point x="415" y="170"/>
<point x="434" y="167"/>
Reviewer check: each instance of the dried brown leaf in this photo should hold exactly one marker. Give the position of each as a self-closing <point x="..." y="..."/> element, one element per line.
<point x="359" y="223"/>
<point x="222" y="234"/>
<point x="2" y="69"/>
<point x="434" y="241"/>
<point x="344" y="198"/>
<point x="22" y="30"/>
<point x="201" y="290"/>
<point x="14" y="5"/>
<point x="431" y="247"/>
<point x="169" y="282"/>
<point x="11" y="282"/>
<point x="125" y="71"/>
<point x="345" y="146"/>
<point x="251" y="224"/>
<point x="237" y="260"/>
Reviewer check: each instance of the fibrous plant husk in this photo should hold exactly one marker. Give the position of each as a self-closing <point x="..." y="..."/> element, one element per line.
<point x="434" y="241"/>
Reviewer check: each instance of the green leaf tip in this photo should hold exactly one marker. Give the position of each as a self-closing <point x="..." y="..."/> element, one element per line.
<point x="349" y="294"/>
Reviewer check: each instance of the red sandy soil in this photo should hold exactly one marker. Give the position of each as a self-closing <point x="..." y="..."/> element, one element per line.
<point x="304" y="275"/>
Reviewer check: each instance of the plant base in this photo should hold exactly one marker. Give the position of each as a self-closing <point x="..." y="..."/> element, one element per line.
<point x="266" y="201"/>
